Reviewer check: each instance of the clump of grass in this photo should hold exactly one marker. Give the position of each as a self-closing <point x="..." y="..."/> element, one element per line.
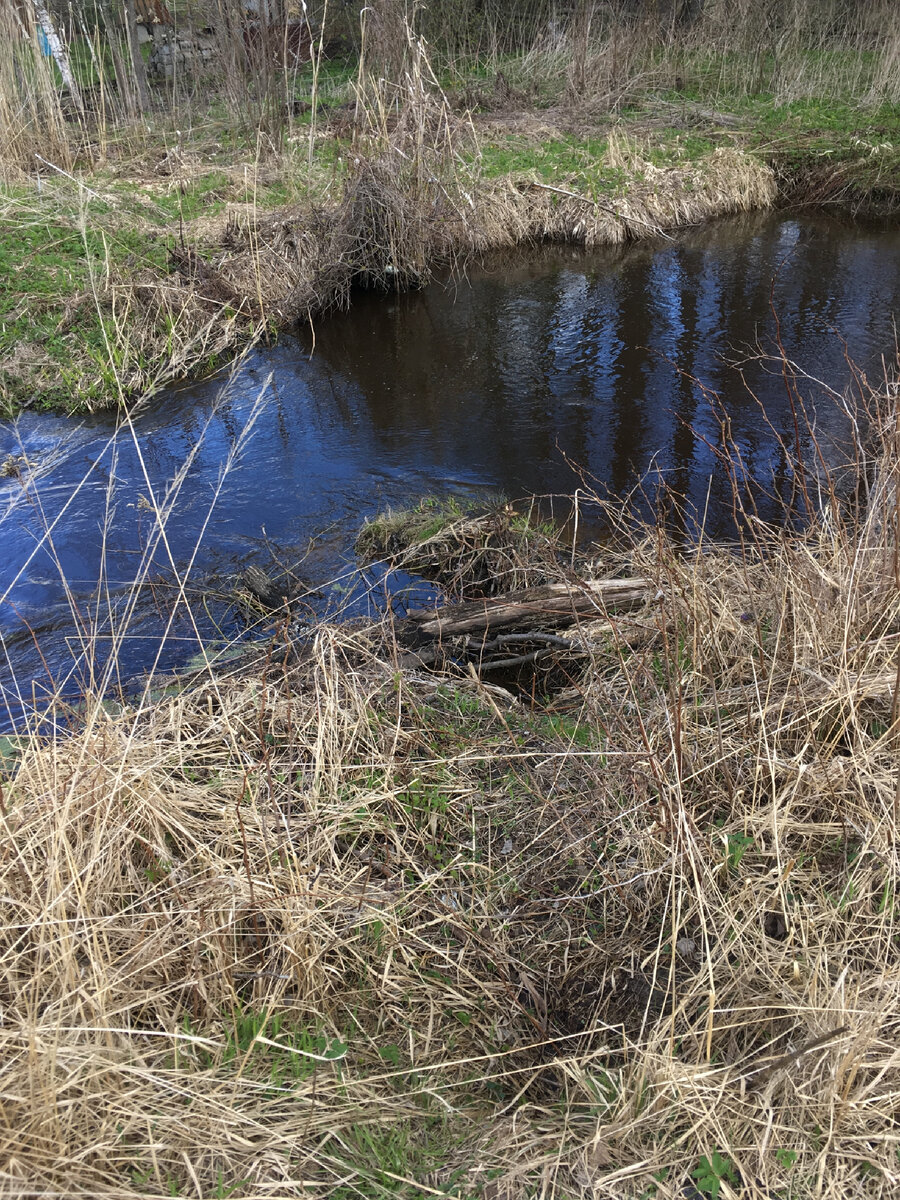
<point x="469" y="550"/>
<point x="647" y="200"/>
<point x="393" y="533"/>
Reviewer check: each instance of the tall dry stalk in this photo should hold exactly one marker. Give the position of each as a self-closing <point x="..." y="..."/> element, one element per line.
<point x="609" y="51"/>
<point x="33" y="119"/>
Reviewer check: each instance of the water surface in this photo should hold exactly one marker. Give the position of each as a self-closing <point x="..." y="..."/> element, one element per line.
<point x="510" y="380"/>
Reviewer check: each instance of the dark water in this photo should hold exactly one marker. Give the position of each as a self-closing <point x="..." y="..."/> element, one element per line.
<point x="601" y="360"/>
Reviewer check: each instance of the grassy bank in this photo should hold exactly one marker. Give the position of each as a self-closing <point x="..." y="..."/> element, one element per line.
<point x="152" y="249"/>
<point x="332" y="927"/>
<point x="128" y="283"/>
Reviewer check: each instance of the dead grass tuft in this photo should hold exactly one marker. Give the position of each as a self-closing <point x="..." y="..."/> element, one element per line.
<point x="654" y="199"/>
<point x="469" y="549"/>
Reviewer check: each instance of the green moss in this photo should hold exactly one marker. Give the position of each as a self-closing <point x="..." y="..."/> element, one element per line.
<point x="393" y="532"/>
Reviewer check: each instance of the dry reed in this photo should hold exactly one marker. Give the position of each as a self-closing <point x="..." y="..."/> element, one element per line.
<point x="327" y="927"/>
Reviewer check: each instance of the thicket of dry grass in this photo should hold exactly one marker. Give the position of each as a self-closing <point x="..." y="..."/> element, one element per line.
<point x="608" y="54"/>
<point x="331" y="928"/>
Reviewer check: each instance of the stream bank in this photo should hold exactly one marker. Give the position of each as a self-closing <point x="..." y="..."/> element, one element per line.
<point x="627" y="364"/>
<point x="343" y="920"/>
<point x="139" y="274"/>
<point x="336" y="924"/>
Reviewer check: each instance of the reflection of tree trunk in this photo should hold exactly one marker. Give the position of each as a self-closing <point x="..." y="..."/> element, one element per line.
<point x="58" y="50"/>
<point x="139" y="70"/>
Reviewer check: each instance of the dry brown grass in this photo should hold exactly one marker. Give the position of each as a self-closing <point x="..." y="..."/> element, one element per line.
<point x="329" y="928"/>
<point x="653" y="200"/>
<point x="31" y="117"/>
<point x="608" y="55"/>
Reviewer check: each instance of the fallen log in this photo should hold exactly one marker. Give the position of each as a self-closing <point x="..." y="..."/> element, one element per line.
<point x="553" y="605"/>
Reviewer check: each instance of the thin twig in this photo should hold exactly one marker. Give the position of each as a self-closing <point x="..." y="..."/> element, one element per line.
<point x="765" y="1072"/>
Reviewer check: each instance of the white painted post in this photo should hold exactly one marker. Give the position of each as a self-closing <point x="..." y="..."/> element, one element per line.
<point x="58" y="50"/>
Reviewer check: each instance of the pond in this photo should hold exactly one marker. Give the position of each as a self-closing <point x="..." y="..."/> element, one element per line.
<point x="517" y="378"/>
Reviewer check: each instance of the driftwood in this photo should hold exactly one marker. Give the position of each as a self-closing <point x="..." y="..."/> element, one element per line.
<point x="258" y="591"/>
<point x="264" y="589"/>
<point x="553" y="606"/>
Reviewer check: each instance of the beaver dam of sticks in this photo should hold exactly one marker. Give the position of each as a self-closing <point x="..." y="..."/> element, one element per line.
<point x="582" y="884"/>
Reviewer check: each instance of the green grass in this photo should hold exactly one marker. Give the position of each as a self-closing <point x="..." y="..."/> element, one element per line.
<point x="804" y="136"/>
<point x="51" y="270"/>
<point x="795" y="107"/>
<point x="671" y="148"/>
<point x="61" y="247"/>
<point x="568" y="161"/>
<point x="387" y="1160"/>
<point x="203" y="195"/>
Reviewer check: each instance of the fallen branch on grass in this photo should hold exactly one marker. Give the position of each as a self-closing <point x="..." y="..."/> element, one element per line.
<point x="467" y="631"/>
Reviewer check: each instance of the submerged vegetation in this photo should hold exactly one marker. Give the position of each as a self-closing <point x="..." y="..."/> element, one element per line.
<point x="144" y="240"/>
